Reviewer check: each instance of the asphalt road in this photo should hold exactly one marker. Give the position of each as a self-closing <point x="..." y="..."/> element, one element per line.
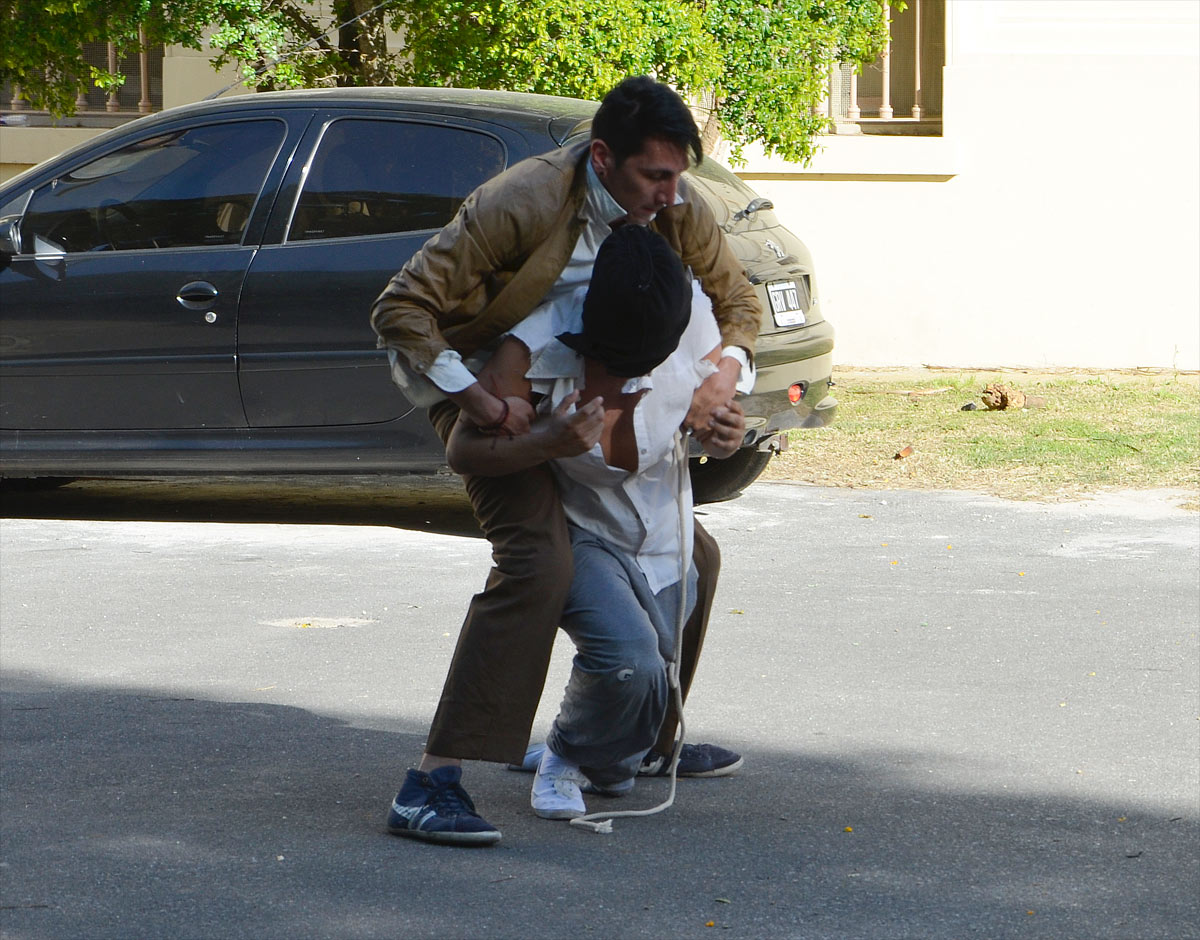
<point x="961" y="717"/>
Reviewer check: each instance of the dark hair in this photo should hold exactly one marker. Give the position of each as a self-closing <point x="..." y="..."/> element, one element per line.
<point x="640" y="108"/>
<point x="637" y="305"/>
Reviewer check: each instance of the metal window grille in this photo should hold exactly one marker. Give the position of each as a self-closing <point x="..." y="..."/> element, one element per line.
<point x="141" y="92"/>
<point x="901" y="91"/>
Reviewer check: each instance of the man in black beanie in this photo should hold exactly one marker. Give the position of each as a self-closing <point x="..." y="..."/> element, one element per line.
<point x="612" y="380"/>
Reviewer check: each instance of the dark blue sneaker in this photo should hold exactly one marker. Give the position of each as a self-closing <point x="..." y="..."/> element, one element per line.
<point x="436" y="808"/>
<point x="695" y="760"/>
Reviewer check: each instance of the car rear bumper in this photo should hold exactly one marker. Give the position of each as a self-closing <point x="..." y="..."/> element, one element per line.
<point x="784" y="361"/>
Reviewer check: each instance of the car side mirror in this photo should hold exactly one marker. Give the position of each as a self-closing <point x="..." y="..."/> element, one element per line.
<point x="10" y="236"/>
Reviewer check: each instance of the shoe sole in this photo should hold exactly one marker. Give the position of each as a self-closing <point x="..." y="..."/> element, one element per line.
<point x="447" y="838"/>
<point x="716" y="771"/>
<point x="559" y="813"/>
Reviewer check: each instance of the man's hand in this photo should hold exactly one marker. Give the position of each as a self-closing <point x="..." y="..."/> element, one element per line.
<point x="717" y="391"/>
<point x="570" y="434"/>
<point x="727" y="432"/>
<point x="516" y="422"/>
<point x="510" y="416"/>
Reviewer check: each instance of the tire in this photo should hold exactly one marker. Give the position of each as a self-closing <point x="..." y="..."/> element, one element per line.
<point x="717" y="480"/>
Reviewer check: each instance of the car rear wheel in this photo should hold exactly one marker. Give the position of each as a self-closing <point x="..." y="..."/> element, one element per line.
<point x="715" y="480"/>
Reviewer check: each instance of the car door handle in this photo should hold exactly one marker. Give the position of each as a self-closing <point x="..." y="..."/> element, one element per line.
<point x="198" y="295"/>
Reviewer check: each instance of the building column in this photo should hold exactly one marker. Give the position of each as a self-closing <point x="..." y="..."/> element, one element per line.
<point x="885" y="60"/>
<point x="144" y="70"/>
<point x="113" y="103"/>
<point x="916" y="8"/>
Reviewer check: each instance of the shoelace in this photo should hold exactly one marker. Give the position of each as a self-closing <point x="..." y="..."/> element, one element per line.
<point x="452" y="798"/>
<point x="568" y="783"/>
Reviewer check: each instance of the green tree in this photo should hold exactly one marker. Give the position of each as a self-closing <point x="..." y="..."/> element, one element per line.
<point x="758" y="66"/>
<point x="41" y="41"/>
<point x="274" y="43"/>
<point x="288" y="44"/>
<point x="558" y="47"/>
<point x="775" y="62"/>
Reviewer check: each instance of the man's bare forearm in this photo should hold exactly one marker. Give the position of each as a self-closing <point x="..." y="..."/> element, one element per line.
<point x="564" y="433"/>
<point x="479" y="405"/>
<point x="473" y="453"/>
<point x="510" y="416"/>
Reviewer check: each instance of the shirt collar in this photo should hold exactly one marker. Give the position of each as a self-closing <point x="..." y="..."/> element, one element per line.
<point x="600" y="205"/>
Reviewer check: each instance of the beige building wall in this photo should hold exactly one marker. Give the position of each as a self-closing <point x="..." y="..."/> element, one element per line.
<point x="23" y="147"/>
<point x="1056" y="223"/>
<point x="188" y="76"/>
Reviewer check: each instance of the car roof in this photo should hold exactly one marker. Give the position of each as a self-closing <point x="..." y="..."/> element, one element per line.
<point x="524" y="111"/>
<point x="520" y="108"/>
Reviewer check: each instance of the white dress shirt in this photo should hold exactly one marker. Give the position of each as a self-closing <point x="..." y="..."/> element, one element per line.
<point x="638" y="512"/>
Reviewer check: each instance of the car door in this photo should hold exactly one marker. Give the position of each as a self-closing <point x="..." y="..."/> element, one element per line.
<point x="120" y="311"/>
<point x="375" y="187"/>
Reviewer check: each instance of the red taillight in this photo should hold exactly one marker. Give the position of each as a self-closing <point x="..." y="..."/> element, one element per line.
<point x="795" y="393"/>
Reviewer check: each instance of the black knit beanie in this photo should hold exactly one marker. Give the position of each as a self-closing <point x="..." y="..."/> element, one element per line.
<point x="637" y="305"/>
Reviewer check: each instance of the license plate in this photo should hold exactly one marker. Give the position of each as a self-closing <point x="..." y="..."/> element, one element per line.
<point x="785" y="303"/>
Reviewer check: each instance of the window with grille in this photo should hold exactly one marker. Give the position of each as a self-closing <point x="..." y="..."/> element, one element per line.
<point x="901" y="91"/>
<point x="131" y="97"/>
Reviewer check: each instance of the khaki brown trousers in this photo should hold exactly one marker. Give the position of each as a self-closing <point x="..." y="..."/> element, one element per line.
<point x="500" y="663"/>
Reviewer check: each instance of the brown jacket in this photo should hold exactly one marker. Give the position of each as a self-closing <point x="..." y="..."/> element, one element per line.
<point x="502" y="253"/>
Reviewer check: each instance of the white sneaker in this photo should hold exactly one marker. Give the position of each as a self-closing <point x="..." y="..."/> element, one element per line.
<point x="555" y="793"/>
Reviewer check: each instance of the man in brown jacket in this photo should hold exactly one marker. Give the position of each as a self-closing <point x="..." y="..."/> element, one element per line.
<point x="524" y="238"/>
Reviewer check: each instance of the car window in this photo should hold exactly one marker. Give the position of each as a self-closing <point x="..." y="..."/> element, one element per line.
<point x="372" y="177"/>
<point x="185" y="188"/>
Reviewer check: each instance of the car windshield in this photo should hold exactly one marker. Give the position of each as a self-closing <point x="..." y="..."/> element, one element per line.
<point x="713" y="172"/>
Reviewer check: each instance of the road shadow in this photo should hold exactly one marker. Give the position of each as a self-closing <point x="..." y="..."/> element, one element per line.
<point x="426" y="503"/>
<point x="129" y="813"/>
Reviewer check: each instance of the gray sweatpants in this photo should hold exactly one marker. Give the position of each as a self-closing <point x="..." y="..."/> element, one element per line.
<point x="624" y="636"/>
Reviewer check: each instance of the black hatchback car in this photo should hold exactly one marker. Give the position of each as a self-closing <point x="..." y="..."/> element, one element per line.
<point x="189" y="293"/>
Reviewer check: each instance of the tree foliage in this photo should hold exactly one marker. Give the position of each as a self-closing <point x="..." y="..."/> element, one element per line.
<point x="775" y="63"/>
<point x="760" y="66"/>
<point x="560" y="47"/>
<point x="41" y="41"/>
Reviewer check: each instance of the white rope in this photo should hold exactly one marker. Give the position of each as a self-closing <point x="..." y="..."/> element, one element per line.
<point x="602" y="822"/>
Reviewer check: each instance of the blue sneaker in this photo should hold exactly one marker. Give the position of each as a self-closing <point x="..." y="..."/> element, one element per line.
<point x="695" y="760"/>
<point x="434" y="807"/>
